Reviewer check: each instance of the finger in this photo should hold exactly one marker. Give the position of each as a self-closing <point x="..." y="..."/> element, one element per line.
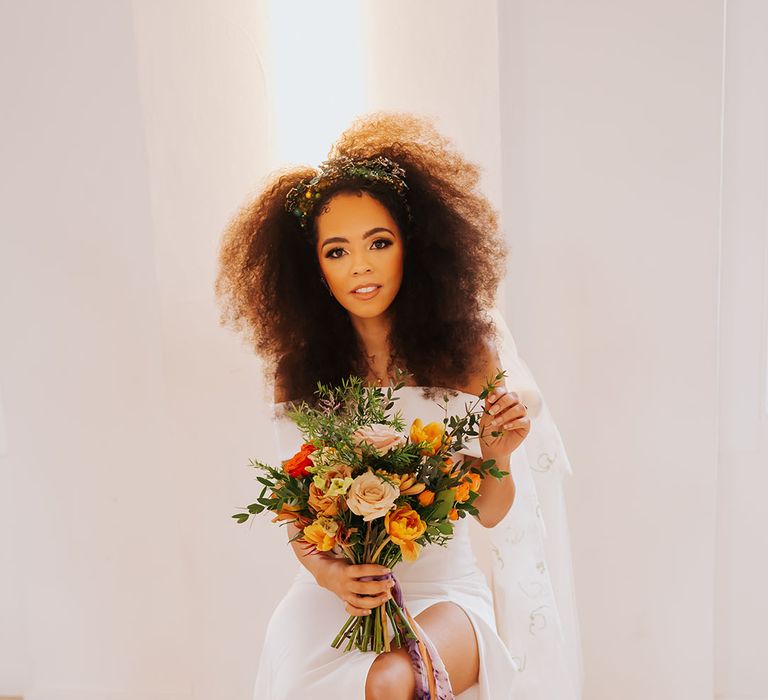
<point x="353" y="610"/>
<point x="495" y="393"/>
<point x="516" y="424"/>
<point x="504" y="402"/>
<point x="360" y="570"/>
<point x="509" y="414"/>
<point x="371" y="587"/>
<point x="360" y="601"/>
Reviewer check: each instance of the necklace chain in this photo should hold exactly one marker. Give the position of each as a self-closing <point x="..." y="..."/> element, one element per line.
<point x="379" y="380"/>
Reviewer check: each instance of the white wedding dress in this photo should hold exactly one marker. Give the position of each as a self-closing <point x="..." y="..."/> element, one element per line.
<point x="526" y="626"/>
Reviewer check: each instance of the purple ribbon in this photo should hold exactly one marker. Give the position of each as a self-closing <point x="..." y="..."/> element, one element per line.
<point x="420" y="669"/>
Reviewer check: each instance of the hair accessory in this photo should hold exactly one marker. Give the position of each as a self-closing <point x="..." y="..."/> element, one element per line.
<point x="302" y="199"/>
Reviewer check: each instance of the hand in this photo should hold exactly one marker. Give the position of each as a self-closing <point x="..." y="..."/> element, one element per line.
<point x="359" y="597"/>
<point x="503" y="411"/>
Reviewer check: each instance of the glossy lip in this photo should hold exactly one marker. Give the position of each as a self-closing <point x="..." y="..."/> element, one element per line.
<point x="367" y="295"/>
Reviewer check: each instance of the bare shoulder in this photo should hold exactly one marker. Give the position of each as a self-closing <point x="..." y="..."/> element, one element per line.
<point x="488" y="367"/>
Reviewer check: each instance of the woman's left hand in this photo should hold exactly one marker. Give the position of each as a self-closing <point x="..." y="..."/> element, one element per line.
<point x="503" y="412"/>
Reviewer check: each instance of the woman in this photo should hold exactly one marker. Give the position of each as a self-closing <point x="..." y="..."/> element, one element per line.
<point x="387" y="257"/>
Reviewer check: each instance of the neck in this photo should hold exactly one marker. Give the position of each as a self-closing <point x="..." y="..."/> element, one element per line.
<point x="373" y="334"/>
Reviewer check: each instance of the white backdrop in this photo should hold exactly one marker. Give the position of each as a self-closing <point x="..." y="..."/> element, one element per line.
<point x="132" y="131"/>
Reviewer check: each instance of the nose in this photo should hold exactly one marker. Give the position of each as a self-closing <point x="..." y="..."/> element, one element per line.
<point x="361" y="266"/>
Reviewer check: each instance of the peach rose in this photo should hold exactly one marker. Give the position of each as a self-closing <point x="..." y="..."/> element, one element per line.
<point x="404" y="526"/>
<point x="380" y="436"/>
<point x="371" y="496"/>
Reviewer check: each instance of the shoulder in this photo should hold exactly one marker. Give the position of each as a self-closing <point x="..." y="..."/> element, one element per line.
<point x="487" y="366"/>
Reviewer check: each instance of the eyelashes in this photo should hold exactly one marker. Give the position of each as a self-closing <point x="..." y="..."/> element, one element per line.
<point x="387" y="243"/>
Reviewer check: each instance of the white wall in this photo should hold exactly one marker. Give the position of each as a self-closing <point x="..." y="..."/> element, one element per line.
<point x="611" y="152"/>
<point x="95" y="588"/>
<point x="741" y="581"/>
<point x="130" y="414"/>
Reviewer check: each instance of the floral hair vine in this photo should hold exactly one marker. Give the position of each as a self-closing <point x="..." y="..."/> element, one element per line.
<point x="302" y="199"/>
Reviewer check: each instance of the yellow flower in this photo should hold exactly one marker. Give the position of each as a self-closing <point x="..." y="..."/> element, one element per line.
<point x="404" y="526"/>
<point x="432" y="433"/>
<point x="322" y="533"/>
<point x="405" y="482"/>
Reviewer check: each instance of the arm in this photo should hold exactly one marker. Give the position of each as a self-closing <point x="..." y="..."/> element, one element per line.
<point x="502" y="410"/>
<point x="496" y="496"/>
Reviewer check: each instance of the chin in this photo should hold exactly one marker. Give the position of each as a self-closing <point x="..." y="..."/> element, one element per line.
<point x="368" y="310"/>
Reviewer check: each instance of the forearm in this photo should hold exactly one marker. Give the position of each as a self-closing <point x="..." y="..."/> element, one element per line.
<point x="316" y="563"/>
<point x="496" y="495"/>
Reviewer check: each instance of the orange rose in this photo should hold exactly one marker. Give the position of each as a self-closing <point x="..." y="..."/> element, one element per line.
<point x="404" y="526"/>
<point x="432" y="433"/>
<point x="453" y="514"/>
<point x="427" y="498"/>
<point x="297" y="465"/>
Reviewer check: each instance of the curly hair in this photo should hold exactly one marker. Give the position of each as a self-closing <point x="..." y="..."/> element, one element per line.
<point x="269" y="286"/>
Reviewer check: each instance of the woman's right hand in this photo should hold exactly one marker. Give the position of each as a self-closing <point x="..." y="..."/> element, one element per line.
<point x="360" y="597"/>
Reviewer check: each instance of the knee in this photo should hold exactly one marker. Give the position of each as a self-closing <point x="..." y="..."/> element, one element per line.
<point x="390" y="677"/>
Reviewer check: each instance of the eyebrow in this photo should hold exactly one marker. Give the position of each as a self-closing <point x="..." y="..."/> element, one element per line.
<point x="338" y="239"/>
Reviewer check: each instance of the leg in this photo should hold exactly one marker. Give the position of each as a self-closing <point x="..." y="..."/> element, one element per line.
<point x="391" y="674"/>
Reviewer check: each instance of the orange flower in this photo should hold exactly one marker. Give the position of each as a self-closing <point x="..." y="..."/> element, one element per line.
<point x="405" y="482"/>
<point x="449" y="467"/>
<point x="453" y="514"/>
<point x="469" y="482"/>
<point x="404" y="526"/>
<point x="297" y="465"/>
<point x="322" y="533"/>
<point x="287" y="512"/>
<point x="427" y="498"/>
<point x="474" y="481"/>
<point x="321" y="503"/>
<point x="461" y="492"/>
<point x="432" y="433"/>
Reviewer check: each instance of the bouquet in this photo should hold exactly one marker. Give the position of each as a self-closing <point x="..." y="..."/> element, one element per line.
<point x="364" y="488"/>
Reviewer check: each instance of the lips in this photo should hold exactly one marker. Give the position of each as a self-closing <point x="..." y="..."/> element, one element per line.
<point x="369" y="294"/>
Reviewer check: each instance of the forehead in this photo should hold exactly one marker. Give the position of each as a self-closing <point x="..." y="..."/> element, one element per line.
<point x="352" y="213"/>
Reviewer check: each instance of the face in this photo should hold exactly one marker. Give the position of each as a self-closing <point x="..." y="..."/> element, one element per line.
<point x="360" y="245"/>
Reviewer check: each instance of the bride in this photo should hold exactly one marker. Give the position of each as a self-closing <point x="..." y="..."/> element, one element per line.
<point x="388" y="257"/>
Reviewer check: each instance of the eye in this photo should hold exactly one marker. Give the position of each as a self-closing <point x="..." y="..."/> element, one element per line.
<point x="332" y="252"/>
